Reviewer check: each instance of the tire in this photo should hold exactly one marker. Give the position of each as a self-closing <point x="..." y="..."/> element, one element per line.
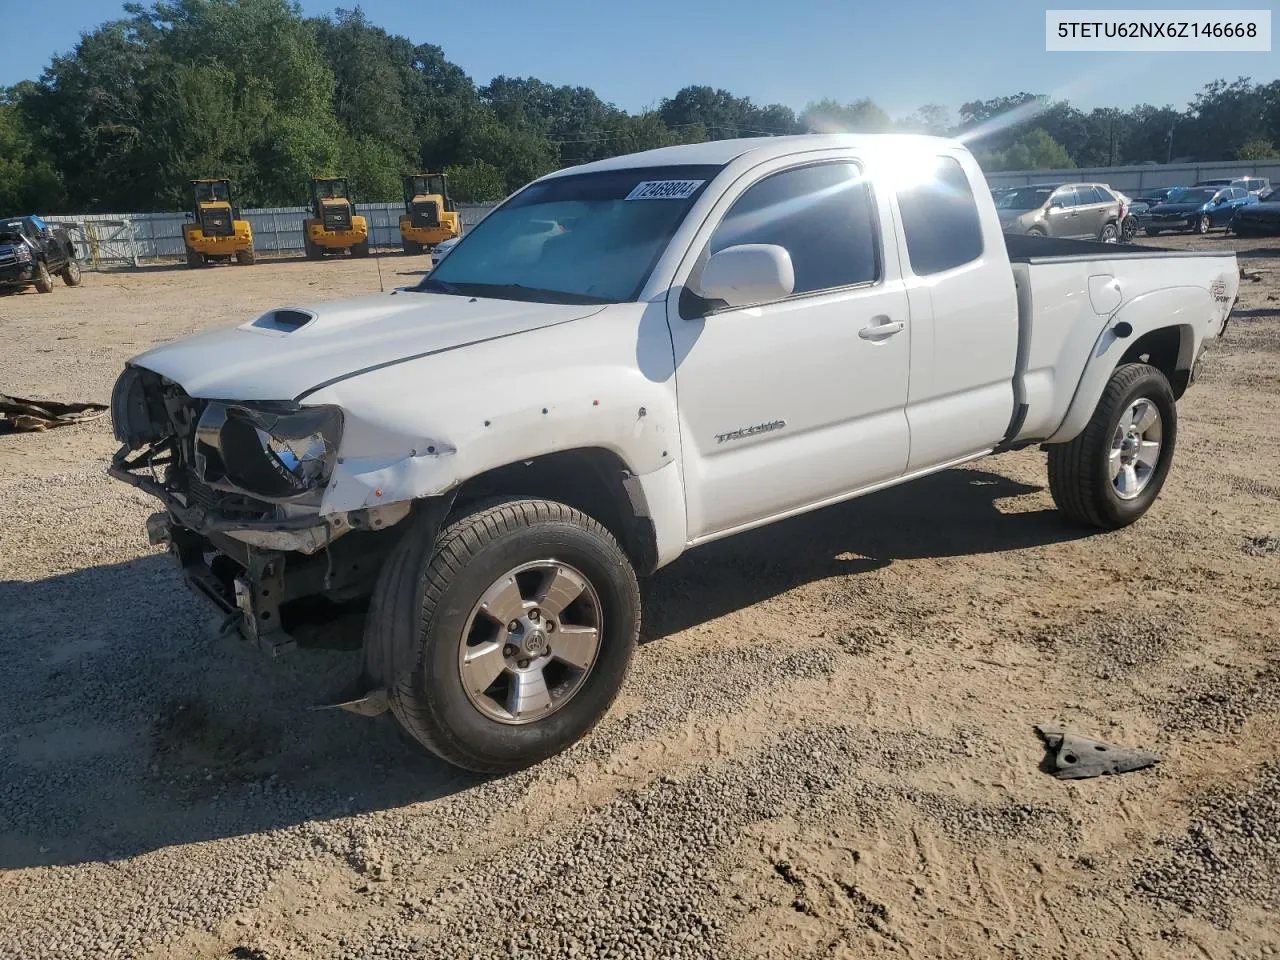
<point x="1128" y="230"/>
<point x="1110" y="233"/>
<point x="43" y="280"/>
<point x="71" y="275"/>
<point x="1203" y="224"/>
<point x="360" y="249"/>
<point x="427" y="599"/>
<point x="410" y="248"/>
<point x="246" y="257"/>
<point x="194" y="259"/>
<point x="312" y="251"/>
<point x="1036" y="232"/>
<point x="1081" y="476"/>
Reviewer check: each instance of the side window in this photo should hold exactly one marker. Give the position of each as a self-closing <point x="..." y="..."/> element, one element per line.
<point x="940" y="219"/>
<point x="1102" y="195"/>
<point x="1067" y="197"/>
<point x="823" y="215"/>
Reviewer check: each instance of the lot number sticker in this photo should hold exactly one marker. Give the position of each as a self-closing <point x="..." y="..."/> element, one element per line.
<point x="664" y="190"/>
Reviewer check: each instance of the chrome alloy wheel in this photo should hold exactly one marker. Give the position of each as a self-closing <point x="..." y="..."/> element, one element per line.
<point x="530" y="643"/>
<point x="1135" y="448"/>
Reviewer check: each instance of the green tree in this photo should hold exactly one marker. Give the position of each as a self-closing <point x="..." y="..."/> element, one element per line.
<point x="1034" y="150"/>
<point x="476" y="182"/>
<point x="860" y="116"/>
<point x="1257" y="149"/>
<point x="28" y="181"/>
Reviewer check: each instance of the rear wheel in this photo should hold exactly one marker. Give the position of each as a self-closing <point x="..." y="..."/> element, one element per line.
<point x="246" y="257"/>
<point x="411" y="248"/>
<point x="1109" y="234"/>
<point x="71" y="273"/>
<point x="360" y="249"/>
<point x="43" y="281"/>
<point x="514" y="629"/>
<point x="312" y="250"/>
<point x="1203" y="224"/>
<point x="194" y="259"/>
<point x="1112" y="472"/>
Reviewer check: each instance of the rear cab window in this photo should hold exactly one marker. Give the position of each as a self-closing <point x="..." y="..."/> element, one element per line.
<point x="940" y="221"/>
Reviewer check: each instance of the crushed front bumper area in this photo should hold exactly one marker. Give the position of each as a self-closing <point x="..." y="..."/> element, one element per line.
<point x="259" y="591"/>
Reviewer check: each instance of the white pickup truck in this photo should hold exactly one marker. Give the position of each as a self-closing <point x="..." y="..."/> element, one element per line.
<point x="623" y="361"/>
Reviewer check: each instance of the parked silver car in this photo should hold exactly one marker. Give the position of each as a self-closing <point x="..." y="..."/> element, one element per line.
<point x="1087" y="211"/>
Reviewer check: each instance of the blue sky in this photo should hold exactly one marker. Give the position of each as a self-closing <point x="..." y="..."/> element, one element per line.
<point x="900" y="54"/>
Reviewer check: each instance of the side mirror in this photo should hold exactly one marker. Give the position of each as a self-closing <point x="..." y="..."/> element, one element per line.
<point x="748" y="273"/>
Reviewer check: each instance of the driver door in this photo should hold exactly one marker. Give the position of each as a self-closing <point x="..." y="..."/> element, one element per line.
<point x="787" y="404"/>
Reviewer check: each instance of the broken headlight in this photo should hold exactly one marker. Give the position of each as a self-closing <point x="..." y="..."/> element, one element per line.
<point x="274" y="452"/>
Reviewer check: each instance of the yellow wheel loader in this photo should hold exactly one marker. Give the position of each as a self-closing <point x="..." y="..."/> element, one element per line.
<point x="429" y="217"/>
<point x="215" y="232"/>
<point x="334" y="225"/>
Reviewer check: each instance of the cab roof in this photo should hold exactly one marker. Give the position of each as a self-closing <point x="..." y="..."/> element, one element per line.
<point x="722" y="152"/>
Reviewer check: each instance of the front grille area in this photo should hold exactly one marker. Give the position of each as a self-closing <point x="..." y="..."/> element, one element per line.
<point x="337" y="217"/>
<point x="216" y="223"/>
<point x="426" y="214"/>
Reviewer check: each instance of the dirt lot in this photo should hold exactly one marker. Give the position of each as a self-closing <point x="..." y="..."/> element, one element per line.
<point x="825" y="747"/>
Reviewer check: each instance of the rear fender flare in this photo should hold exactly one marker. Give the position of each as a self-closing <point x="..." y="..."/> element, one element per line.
<point x="1188" y="309"/>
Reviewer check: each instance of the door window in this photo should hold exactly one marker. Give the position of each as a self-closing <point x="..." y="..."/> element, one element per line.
<point x="823" y="215"/>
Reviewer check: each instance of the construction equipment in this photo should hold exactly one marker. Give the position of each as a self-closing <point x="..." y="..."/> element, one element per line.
<point x="216" y="233"/>
<point x="334" y="225"/>
<point x="430" y="217"/>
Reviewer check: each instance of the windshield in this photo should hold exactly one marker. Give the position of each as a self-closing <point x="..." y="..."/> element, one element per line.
<point x="1024" y="198"/>
<point x="1191" y="195"/>
<point x="585" y="238"/>
<point x="331" y="189"/>
<point x="210" y="192"/>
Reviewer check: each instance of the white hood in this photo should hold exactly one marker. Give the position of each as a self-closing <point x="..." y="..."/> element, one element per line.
<point x="270" y="360"/>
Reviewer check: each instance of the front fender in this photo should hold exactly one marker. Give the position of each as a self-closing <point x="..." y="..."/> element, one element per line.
<point x="1188" y="309"/>
<point x="422" y="427"/>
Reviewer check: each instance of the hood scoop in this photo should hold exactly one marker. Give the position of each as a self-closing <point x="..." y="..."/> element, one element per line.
<point x="284" y="320"/>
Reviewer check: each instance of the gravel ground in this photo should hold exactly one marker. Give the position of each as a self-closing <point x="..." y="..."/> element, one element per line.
<point x="825" y="747"/>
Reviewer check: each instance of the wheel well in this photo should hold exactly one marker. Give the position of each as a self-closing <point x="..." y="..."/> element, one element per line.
<point x="1169" y="351"/>
<point x="589" y="479"/>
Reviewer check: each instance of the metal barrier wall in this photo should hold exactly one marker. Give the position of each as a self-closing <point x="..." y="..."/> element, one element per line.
<point x="107" y="239"/>
<point x="1145" y="176"/>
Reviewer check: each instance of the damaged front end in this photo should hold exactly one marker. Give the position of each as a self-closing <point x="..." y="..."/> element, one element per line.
<point x="241" y="484"/>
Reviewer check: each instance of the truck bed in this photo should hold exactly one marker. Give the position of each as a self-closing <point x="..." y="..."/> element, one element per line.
<point x="1068" y="293"/>
<point x="1030" y="249"/>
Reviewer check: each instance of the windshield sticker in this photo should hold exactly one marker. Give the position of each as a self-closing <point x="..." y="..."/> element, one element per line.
<point x="664" y="190"/>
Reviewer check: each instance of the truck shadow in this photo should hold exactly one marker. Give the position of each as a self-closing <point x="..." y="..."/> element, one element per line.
<point x="129" y="724"/>
<point x="948" y="514"/>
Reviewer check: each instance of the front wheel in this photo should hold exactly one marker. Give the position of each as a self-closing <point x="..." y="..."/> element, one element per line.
<point x="1203" y="224"/>
<point x="1112" y="472"/>
<point x="43" y="281"/>
<point x="504" y="640"/>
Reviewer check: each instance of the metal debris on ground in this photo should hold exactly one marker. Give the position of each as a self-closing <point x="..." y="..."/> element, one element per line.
<point x="1073" y="757"/>
<point x="21" y="414"/>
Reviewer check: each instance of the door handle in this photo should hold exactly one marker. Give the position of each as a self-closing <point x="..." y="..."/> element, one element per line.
<point x="877" y="331"/>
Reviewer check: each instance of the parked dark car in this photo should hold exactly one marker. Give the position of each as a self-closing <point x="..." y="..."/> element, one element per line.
<point x="32" y="252"/>
<point x="1255" y="185"/>
<point x="1260" y="219"/>
<point x="1198" y="209"/>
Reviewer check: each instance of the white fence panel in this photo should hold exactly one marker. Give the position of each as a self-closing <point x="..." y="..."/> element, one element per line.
<point x="113" y="239"/>
<point x="1145" y="176"/>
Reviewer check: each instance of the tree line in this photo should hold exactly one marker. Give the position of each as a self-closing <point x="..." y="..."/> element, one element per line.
<point x="255" y="91"/>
